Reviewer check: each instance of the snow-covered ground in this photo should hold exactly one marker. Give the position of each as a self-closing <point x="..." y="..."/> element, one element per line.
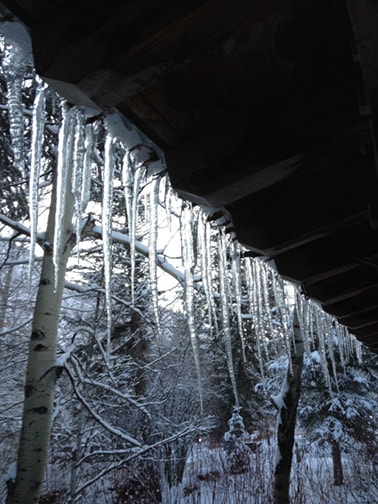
<point x="207" y="478"/>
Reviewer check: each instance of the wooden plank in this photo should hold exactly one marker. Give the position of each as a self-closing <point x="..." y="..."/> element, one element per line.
<point x="344" y="285"/>
<point x="361" y="320"/>
<point x="365" y="301"/>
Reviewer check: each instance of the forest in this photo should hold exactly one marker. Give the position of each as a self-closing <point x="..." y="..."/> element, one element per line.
<point x="146" y="355"/>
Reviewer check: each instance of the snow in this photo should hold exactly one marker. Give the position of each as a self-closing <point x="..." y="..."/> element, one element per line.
<point x="12" y="472"/>
<point x="279" y="400"/>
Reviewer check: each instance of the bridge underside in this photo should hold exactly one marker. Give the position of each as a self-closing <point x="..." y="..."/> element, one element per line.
<point x="266" y="108"/>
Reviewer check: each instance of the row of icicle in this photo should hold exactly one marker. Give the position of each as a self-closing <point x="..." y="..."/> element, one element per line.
<point x="243" y="297"/>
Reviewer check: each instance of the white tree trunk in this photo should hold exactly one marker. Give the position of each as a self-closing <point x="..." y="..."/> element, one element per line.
<point x="40" y="373"/>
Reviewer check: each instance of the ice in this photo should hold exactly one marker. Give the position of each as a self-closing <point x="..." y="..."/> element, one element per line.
<point x="107" y="203"/>
<point x="237" y="288"/>
<point x="63" y="171"/>
<point x="38" y="123"/>
<point x="152" y="245"/>
<point x="225" y="300"/>
<point x="137" y="177"/>
<point x="89" y="147"/>
<point x="322" y="347"/>
<point x="251" y="291"/>
<point x="188" y="262"/>
<point x="17" y="57"/>
<point x="78" y="174"/>
<point x="204" y="242"/>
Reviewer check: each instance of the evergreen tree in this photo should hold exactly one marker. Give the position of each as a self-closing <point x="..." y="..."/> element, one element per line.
<point x="342" y="416"/>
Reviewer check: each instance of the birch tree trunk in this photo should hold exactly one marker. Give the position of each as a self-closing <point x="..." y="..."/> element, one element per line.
<point x="286" y="419"/>
<point x="40" y="373"/>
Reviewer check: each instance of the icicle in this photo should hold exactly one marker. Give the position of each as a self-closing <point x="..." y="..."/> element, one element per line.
<point x="137" y="176"/>
<point x="107" y="204"/>
<point x="188" y="261"/>
<point x="206" y="270"/>
<point x="77" y="175"/>
<point x="225" y="301"/>
<point x="330" y="344"/>
<point x="264" y="305"/>
<point x="89" y="147"/>
<point x="266" y="274"/>
<point x="38" y="123"/>
<point x="64" y="166"/>
<point x="282" y="303"/>
<point x="127" y="183"/>
<point x="358" y="350"/>
<point x="340" y="342"/>
<point x="250" y="281"/>
<point x="236" y="277"/>
<point x="304" y="322"/>
<point x="168" y="203"/>
<point x="322" y="350"/>
<point x="17" y="57"/>
<point x="152" y="246"/>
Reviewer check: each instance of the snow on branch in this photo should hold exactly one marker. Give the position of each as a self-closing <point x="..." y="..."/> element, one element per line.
<point x="161" y="261"/>
<point x="118" y="432"/>
<point x="190" y="429"/>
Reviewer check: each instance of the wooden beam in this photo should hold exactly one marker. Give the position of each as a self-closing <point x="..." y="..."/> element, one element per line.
<point x="363" y="302"/>
<point x="344" y="285"/>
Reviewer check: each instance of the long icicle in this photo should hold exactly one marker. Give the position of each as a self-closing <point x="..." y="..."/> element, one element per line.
<point x="225" y="303"/>
<point x="89" y="147"/>
<point x="137" y="176"/>
<point x="236" y="277"/>
<point x="152" y="248"/>
<point x="17" y="57"/>
<point x="77" y="174"/>
<point x="188" y="260"/>
<point x="205" y="261"/>
<point x="251" y="291"/>
<point x="38" y="123"/>
<point x="63" y="169"/>
<point x="107" y="203"/>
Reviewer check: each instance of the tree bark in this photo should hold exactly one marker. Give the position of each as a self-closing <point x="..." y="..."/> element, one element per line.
<point x="41" y="370"/>
<point x="338" y="476"/>
<point x="291" y="390"/>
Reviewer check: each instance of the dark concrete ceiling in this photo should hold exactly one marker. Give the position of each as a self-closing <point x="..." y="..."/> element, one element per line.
<point x="266" y="107"/>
